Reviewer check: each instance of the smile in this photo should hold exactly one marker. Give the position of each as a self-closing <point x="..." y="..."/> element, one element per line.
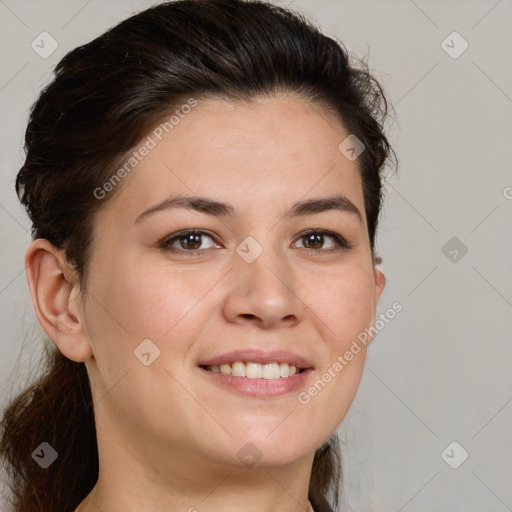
<point x="251" y="370"/>
<point x="257" y="373"/>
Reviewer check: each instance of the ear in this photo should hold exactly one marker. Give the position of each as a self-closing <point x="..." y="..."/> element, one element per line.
<point x="55" y="294"/>
<point x="380" y="283"/>
<point x="379" y="278"/>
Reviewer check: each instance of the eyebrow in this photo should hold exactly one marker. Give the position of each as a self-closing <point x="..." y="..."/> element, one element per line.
<point x="219" y="209"/>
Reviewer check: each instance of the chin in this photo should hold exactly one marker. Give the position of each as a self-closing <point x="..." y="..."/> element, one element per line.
<point x="273" y="450"/>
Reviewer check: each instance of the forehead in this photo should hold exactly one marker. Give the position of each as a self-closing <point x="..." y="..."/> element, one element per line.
<point x="271" y="151"/>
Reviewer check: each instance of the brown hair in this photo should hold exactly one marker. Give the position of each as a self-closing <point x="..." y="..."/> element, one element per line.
<point x="105" y="96"/>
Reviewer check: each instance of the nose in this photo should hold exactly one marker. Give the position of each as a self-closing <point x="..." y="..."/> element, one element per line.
<point x="263" y="293"/>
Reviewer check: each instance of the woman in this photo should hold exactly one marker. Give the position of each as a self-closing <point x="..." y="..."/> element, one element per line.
<point x="204" y="186"/>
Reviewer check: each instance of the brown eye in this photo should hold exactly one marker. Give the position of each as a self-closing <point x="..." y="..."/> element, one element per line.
<point x="188" y="241"/>
<point x="313" y="241"/>
<point x="323" y="241"/>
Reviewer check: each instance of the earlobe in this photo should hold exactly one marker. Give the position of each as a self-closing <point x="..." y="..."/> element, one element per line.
<point x="55" y="298"/>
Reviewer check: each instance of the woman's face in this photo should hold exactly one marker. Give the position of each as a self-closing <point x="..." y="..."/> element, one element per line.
<point x="258" y="283"/>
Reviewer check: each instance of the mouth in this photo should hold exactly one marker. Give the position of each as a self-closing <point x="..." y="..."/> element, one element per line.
<point x="256" y="373"/>
<point x="252" y="370"/>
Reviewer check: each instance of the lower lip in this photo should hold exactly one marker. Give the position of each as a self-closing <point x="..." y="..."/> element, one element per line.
<point x="260" y="388"/>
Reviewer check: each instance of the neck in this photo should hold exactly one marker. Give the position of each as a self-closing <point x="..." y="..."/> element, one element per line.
<point x="132" y="481"/>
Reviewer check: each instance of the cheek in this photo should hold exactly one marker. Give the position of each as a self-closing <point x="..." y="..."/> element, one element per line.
<point x="344" y="305"/>
<point x="344" y="310"/>
<point x="138" y="302"/>
<point x="133" y="303"/>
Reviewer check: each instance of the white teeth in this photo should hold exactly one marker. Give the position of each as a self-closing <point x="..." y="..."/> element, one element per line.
<point x="254" y="370"/>
<point x="225" y="369"/>
<point x="269" y="371"/>
<point x="238" y="369"/>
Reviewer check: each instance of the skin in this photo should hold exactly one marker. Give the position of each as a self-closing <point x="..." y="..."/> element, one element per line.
<point x="168" y="439"/>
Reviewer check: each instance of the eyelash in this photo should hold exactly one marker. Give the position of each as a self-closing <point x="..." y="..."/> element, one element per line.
<point x="166" y="244"/>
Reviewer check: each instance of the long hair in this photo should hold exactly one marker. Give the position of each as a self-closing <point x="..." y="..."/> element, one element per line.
<point x="105" y="96"/>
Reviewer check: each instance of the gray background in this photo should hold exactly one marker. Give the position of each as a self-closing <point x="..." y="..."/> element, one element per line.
<point x="441" y="370"/>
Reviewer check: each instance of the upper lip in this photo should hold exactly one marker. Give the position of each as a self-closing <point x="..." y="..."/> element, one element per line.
<point x="259" y="356"/>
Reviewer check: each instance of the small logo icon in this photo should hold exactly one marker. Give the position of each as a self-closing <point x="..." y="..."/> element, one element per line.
<point x="44" y="455"/>
<point x="249" y="455"/>
<point x="249" y="249"/>
<point x="454" y="455"/>
<point x="454" y="45"/>
<point x="351" y="147"/>
<point x="44" y="45"/>
<point x="454" y="249"/>
<point x="146" y="352"/>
